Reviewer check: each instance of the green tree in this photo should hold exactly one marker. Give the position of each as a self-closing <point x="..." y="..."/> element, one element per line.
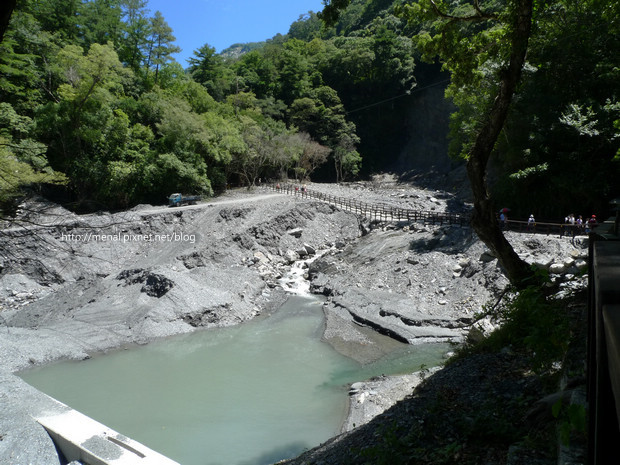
<point x="322" y="115"/>
<point x="293" y="71"/>
<point x="85" y="76"/>
<point x="560" y="135"/>
<point x="207" y="68"/>
<point x="136" y="29"/>
<point x="99" y="21"/>
<point x="193" y="93"/>
<point x="17" y="132"/>
<point x="306" y="28"/>
<point x="182" y="132"/>
<point x="310" y="154"/>
<point x="170" y="174"/>
<point x="224" y="140"/>
<point x="373" y="72"/>
<point x="160" y="44"/>
<point x="23" y="163"/>
<point x="468" y="41"/>
<point x="15" y="175"/>
<point x="24" y="78"/>
<point x="469" y="38"/>
<point x="347" y="160"/>
<point x="259" y="146"/>
<point x="257" y="73"/>
<point x="129" y="177"/>
<point x="75" y="126"/>
<point x="59" y="17"/>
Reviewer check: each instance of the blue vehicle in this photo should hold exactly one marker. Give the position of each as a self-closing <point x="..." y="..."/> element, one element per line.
<point x="176" y="200"/>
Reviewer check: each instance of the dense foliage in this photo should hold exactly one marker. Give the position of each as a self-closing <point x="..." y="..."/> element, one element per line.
<point x="90" y="89"/>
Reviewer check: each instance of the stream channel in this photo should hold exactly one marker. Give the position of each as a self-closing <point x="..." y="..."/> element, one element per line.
<point x="251" y="394"/>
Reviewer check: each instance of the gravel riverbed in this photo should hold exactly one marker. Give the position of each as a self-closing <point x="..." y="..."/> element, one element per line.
<point x="77" y="285"/>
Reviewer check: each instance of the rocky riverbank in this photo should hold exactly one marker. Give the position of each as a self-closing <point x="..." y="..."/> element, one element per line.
<point x="76" y="285"/>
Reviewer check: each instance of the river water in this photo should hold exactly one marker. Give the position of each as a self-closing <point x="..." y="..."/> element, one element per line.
<point x="251" y="394"/>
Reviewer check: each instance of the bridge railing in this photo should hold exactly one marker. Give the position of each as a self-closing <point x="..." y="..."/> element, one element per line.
<point x="541" y="227"/>
<point x="384" y="212"/>
<point x="376" y="211"/>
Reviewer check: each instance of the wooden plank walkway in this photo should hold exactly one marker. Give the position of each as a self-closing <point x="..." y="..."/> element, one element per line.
<point x="377" y="211"/>
<point x="384" y="212"/>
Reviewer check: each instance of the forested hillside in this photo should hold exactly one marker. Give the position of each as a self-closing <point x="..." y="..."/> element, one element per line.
<point x="92" y="100"/>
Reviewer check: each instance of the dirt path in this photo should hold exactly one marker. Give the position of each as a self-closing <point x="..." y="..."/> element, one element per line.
<point x="216" y="202"/>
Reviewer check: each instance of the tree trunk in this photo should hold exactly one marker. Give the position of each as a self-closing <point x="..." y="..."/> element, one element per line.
<point x="484" y="220"/>
<point x="5" y="15"/>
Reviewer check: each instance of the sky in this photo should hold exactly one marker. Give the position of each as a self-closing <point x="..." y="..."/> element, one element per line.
<point x="221" y="23"/>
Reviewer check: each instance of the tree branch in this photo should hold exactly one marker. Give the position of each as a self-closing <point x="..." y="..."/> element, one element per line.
<point x="19" y="147"/>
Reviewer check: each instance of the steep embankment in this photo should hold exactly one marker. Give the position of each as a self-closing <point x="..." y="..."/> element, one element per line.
<point x="92" y="283"/>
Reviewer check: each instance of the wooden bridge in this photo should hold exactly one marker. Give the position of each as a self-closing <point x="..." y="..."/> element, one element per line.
<point x="376" y="211"/>
<point x="384" y="212"/>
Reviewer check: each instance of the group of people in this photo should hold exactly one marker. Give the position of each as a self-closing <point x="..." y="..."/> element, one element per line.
<point x="574" y="226"/>
<point x="304" y="189"/>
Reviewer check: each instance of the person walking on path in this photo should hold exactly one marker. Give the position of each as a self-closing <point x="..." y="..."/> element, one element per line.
<point x="503" y="218"/>
<point x="531" y="223"/>
<point x="564" y="227"/>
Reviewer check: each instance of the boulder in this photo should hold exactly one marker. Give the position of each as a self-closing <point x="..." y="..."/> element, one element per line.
<point x="544" y="264"/>
<point x="581" y="264"/>
<point x="569" y="262"/>
<point x="309" y="249"/>
<point x="260" y="257"/>
<point x="556" y="268"/>
<point x="290" y="256"/>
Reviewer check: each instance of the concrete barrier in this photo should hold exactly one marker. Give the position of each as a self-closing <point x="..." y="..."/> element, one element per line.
<point x="79" y="437"/>
<point x="603" y="367"/>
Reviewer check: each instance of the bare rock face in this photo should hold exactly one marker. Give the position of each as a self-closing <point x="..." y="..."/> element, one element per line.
<point x="129" y="277"/>
<point x="153" y="284"/>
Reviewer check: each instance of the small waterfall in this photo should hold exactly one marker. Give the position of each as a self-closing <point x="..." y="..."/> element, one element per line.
<point x="296" y="281"/>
